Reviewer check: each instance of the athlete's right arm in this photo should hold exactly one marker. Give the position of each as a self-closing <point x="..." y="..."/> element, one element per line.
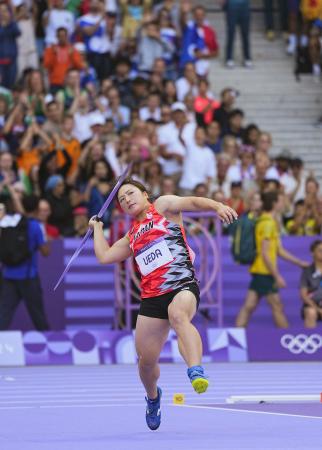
<point x="105" y="254"/>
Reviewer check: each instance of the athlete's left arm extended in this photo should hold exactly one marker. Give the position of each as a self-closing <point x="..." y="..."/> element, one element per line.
<point x="174" y="205"/>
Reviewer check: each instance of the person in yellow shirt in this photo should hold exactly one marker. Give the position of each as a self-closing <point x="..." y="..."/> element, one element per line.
<point x="266" y="279"/>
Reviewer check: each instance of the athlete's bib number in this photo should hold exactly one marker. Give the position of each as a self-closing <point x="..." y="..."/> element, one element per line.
<point x="153" y="256"/>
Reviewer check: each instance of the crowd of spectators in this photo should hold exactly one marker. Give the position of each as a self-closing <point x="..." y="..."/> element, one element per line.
<point x="87" y="86"/>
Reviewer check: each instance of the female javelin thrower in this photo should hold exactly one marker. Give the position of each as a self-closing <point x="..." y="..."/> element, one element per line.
<point x="169" y="289"/>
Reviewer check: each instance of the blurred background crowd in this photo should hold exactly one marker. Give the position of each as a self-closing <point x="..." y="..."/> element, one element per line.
<point x="87" y="86"/>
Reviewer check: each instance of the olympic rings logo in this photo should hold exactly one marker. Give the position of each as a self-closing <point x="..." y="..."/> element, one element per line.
<point x="302" y="343"/>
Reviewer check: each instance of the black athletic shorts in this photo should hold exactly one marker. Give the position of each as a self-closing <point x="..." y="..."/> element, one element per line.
<point x="158" y="306"/>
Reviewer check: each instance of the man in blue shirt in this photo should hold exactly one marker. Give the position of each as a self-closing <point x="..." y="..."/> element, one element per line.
<point x="22" y="281"/>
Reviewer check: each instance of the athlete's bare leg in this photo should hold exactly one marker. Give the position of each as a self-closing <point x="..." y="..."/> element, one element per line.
<point x="310" y="317"/>
<point x="150" y="336"/>
<point x="181" y="311"/>
<point x="247" y="309"/>
<point x="276" y="305"/>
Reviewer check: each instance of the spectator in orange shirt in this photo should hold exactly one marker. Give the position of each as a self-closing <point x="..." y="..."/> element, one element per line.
<point x="59" y="58"/>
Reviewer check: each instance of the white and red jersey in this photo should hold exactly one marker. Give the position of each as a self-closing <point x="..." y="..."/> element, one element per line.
<point x="161" y="253"/>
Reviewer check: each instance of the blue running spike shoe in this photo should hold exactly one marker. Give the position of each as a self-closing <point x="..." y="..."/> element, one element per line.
<point x="198" y="379"/>
<point x="153" y="411"/>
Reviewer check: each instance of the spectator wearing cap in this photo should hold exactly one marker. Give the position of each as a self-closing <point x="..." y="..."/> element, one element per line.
<point x="27" y="51"/>
<point x="59" y="58"/>
<point x="214" y="141"/>
<point x="61" y="210"/>
<point x="311" y="288"/>
<point x="221" y="114"/>
<point x="80" y="215"/>
<point x="9" y="32"/>
<point x="199" y="40"/>
<point x="199" y="164"/>
<point x="172" y="138"/>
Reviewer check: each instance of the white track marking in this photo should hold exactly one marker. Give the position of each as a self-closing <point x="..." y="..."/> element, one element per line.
<point x="247" y="411"/>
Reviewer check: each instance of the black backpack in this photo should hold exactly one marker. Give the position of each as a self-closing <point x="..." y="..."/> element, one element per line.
<point x="14" y="242"/>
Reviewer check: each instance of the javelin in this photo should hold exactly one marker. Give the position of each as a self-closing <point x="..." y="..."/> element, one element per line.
<point x="99" y="216"/>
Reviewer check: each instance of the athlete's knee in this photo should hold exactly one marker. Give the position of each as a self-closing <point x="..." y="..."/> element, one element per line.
<point x="147" y="362"/>
<point x="177" y="318"/>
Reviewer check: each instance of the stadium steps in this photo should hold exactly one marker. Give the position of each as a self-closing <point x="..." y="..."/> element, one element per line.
<point x="270" y="95"/>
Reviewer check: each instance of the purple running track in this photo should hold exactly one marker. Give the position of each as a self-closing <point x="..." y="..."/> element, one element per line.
<point x="102" y="407"/>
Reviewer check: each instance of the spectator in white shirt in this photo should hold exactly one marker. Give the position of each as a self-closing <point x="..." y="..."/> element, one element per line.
<point x="199" y="164"/>
<point x="172" y="138"/>
<point x="57" y="17"/>
<point x="187" y="83"/>
<point x="152" y="110"/>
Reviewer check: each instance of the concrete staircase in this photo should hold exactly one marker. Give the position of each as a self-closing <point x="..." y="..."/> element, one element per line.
<point x="270" y="95"/>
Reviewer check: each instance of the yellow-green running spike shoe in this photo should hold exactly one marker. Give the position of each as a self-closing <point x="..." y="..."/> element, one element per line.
<point x="198" y="379"/>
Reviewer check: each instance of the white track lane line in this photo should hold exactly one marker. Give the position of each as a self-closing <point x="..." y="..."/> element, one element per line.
<point x="246" y="411"/>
